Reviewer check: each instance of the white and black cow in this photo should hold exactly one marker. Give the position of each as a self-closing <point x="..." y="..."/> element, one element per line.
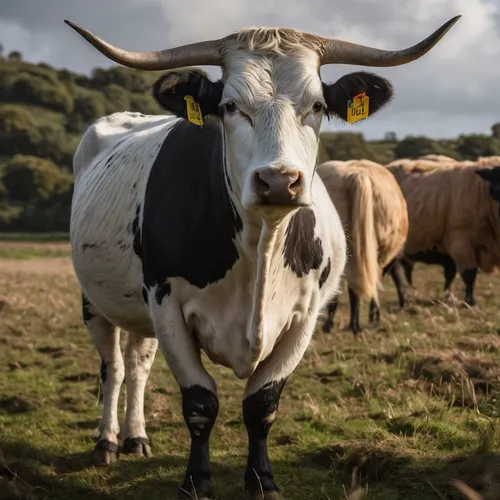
<point x="219" y="237"/>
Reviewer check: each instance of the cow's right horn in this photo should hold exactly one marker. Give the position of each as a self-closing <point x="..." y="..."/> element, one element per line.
<point x="195" y="54"/>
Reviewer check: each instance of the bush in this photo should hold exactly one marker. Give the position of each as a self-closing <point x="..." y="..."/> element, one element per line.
<point x="34" y="90"/>
<point x="31" y="179"/>
<point x="347" y="146"/>
<point x="414" y="147"/>
<point x="473" y="146"/>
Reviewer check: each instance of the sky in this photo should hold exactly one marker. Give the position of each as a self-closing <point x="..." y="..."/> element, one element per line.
<point x="451" y="90"/>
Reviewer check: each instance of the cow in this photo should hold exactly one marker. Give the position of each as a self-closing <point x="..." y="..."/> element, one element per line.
<point x="373" y="212"/>
<point x="453" y="214"/>
<point x="210" y="230"/>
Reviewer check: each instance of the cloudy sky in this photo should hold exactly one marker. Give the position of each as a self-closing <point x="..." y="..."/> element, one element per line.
<point x="453" y="89"/>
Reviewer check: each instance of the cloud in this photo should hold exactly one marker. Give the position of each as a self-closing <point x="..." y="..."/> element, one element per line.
<point x="451" y="90"/>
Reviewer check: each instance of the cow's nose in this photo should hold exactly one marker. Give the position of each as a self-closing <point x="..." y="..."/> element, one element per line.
<point x="278" y="186"/>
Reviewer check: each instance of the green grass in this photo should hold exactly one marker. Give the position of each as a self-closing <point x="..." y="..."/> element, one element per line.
<point x="407" y="406"/>
<point x="34" y="237"/>
<point x="32" y="252"/>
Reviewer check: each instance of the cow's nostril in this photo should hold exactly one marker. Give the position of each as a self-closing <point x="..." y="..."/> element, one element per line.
<point x="261" y="184"/>
<point x="295" y="184"/>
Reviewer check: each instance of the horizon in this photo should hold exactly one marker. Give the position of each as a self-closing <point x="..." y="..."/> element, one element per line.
<point x="449" y="91"/>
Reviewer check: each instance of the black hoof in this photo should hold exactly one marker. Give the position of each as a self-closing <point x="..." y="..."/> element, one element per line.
<point x="355" y="329"/>
<point x="137" y="446"/>
<point x="195" y="488"/>
<point x="327" y="326"/>
<point x="105" y="453"/>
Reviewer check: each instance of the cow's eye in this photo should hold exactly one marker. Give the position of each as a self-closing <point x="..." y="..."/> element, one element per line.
<point x="318" y="106"/>
<point x="230" y="107"/>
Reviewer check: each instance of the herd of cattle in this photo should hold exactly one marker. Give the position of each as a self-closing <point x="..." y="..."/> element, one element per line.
<point x="432" y="209"/>
<point x="214" y="229"/>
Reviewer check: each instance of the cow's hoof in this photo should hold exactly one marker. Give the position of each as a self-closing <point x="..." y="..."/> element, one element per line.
<point x="105" y="453"/>
<point x="190" y="493"/>
<point x="137" y="446"/>
<point x="267" y="495"/>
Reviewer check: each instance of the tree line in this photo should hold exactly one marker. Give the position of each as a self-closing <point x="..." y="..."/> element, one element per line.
<point x="44" y="111"/>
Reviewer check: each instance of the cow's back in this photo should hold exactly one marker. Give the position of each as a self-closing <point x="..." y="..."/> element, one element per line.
<point x="111" y="168"/>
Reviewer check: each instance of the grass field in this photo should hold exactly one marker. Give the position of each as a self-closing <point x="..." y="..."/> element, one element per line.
<point x="408" y="406"/>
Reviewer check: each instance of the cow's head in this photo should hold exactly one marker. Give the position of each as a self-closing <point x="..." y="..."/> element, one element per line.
<point x="270" y="100"/>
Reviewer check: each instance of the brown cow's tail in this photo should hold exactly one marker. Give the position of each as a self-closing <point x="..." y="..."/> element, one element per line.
<point x="364" y="253"/>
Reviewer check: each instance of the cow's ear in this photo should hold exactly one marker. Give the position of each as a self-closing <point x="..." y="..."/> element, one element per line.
<point x="337" y="95"/>
<point x="171" y="88"/>
<point x="492" y="177"/>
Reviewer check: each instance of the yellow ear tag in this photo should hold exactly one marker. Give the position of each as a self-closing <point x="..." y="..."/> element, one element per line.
<point x="358" y="109"/>
<point x="193" y="111"/>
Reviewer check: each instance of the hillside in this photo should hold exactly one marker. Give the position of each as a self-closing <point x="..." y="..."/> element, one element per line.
<point x="44" y="111"/>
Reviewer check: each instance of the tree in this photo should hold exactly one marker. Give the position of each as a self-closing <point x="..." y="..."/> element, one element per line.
<point x="414" y="147"/>
<point x="29" y="179"/>
<point x="346" y="146"/>
<point x="475" y="145"/>
<point x="390" y="136"/>
<point x="15" y="55"/>
<point x="495" y="130"/>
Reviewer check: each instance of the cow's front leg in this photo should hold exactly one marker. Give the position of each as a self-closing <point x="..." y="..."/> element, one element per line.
<point x="200" y="404"/>
<point x="260" y="405"/>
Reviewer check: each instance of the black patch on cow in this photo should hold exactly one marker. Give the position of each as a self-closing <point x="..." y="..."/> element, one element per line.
<point x="325" y="273"/>
<point x="200" y="408"/>
<point x="86" y="313"/>
<point x="338" y="94"/>
<point x="110" y="159"/>
<point x="492" y="177"/>
<point x="171" y="88"/>
<point x="258" y="415"/>
<point x="162" y="291"/>
<point x="189" y="222"/>
<point x="86" y="246"/>
<point x="430" y="257"/>
<point x="136" y="232"/>
<point x="302" y="251"/>
<point x="104" y="371"/>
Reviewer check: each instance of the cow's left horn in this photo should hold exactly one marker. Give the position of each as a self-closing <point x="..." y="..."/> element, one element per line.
<point x="340" y="52"/>
<point x="195" y="54"/>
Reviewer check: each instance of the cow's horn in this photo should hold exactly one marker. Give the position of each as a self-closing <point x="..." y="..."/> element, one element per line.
<point x="340" y="52"/>
<point x="195" y="54"/>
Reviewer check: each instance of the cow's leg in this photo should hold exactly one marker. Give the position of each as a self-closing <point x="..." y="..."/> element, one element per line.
<point x="395" y="272"/>
<point x="200" y="404"/>
<point x="469" y="277"/>
<point x="331" y="310"/>
<point x="260" y="404"/>
<point x="106" y="338"/>
<point x="354" y="306"/>
<point x="408" y="266"/>
<point x="139" y="356"/>
<point x="462" y="252"/>
<point x="374" y="312"/>
<point x="450" y="271"/>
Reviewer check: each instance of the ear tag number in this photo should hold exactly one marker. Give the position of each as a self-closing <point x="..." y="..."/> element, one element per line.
<point x="358" y="108"/>
<point x="193" y="111"/>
